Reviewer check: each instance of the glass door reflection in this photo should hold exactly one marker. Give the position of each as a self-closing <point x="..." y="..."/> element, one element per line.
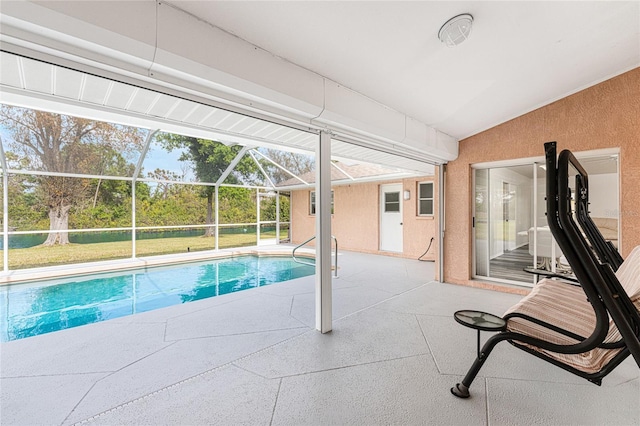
<point x="510" y="218"/>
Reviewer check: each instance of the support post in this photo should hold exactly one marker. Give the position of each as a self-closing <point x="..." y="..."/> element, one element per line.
<point x="217" y="199"/>
<point x="323" y="234"/>
<point x="277" y="217"/>
<point x="441" y="223"/>
<point x="257" y="216"/>
<point x="5" y="211"/>
<point x="133" y="218"/>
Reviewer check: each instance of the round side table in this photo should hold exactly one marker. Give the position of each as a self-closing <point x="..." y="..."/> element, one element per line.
<point x="481" y="321"/>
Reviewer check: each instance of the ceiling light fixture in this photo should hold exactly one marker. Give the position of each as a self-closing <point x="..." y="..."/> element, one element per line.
<point x="456" y="30"/>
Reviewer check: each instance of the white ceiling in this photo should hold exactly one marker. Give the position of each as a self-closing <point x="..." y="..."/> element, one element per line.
<point x="520" y="56"/>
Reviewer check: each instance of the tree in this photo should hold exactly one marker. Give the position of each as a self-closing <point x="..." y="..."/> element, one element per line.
<point x="298" y="164"/>
<point x="210" y="159"/>
<point x="268" y="208"/>
<point x="25" y="210"/>
<point x="162" y="187"/>
<point x="58" y="143"/>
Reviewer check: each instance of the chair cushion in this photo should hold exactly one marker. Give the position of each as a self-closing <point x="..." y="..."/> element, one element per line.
<point x="567" y="307"/>
<point x="629" y="275"/>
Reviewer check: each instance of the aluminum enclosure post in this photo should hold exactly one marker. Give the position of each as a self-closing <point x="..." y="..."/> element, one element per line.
<point x="5" y="211"/>
<point x="217" y="213"/>
<point x="277" y="217"/>
<point x="323" y="234"/>
<point x="441" y="223"/>
<point x="257" y="216"/>
<point x="136" y="174"/>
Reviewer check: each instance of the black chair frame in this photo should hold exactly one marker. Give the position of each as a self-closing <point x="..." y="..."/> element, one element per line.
<point x="593" y="261"/>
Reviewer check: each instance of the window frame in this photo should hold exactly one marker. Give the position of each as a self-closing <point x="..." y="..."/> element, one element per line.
<point x="419" y="199"/>
<point x="312" y="202"/>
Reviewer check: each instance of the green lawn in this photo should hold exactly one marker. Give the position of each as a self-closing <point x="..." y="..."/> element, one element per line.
<point x="78" y="253"/>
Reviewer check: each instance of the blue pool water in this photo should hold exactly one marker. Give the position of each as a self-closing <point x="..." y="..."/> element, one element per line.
<point x="38" y="308"/>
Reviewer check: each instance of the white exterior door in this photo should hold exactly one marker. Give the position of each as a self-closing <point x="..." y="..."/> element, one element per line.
<point x="391" y="218"/>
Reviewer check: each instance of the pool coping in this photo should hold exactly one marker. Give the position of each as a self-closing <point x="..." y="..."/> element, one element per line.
<point x="63" y="271"/>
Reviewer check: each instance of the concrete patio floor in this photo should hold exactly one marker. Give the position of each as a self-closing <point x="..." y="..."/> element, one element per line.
<point x="254" y="358"/>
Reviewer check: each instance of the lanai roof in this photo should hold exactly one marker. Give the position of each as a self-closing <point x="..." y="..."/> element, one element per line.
<point x="345" y="173"/>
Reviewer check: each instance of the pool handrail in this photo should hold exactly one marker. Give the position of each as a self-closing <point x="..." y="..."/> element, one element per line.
<point x="295" y="259"/>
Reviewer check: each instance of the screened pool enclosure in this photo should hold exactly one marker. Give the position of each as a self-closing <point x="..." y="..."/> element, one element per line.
<point x="127" y="192"/>
<point x="119" y="171"/>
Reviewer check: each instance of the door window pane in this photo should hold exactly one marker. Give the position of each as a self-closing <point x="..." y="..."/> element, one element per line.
<point x="391" y="202"/>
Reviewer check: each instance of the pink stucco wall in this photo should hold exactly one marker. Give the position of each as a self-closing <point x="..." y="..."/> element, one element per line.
<point x="356" y="222"/>
<point x="603" y="116"/>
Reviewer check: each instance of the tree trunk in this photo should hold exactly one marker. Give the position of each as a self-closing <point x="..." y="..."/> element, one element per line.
<point x="58" y="221"/>
<point x="210" y="230"/>
<point x="95" y="197"/>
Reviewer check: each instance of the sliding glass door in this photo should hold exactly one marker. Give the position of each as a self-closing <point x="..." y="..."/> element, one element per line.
<point x="509" y="218"/>
<point x="503" y="216"/>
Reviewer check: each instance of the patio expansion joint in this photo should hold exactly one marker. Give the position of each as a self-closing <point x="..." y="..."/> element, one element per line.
<point x="172" y="386"/>
<point x="424" y="335"/>
<point x="302" y="323"/>
<point x="626" y="382"/>
<point x="84" y="373"/>
<point x="282" y="342"/>
<point x="111" y="374"/>
<point x="142" y="398"/>
<point x="131" y="320"/>
<point x="214" y="336"/>
<point x="584" y="383"/>
<point x="342" y="367"/>
<point x="351" y="285"/>
<point x="214" y="306"/>
<point x="486" y="402"/>
<point x="265" y="291"/>
<point x="375" y="305"/>
<point x="275" y="403"/>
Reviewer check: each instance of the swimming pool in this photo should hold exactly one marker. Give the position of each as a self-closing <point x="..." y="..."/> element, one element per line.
<point x="36" y="308"/>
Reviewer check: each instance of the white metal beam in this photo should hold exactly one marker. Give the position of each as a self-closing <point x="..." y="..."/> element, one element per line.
<point x="323" y="234"/>
<point x="284" y="169"/>
<point x="343" y="172"/>
<point x="232" y="166"/>
<point x="264" y="173"/>
<point x="143" y="154"/>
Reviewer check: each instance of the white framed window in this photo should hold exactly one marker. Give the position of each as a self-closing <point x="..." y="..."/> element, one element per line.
<point x="425" y="199"/>
<point x="312" y="202"/>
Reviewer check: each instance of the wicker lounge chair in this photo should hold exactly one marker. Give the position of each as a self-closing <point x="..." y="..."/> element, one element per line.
<point x="586" y="329"/>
